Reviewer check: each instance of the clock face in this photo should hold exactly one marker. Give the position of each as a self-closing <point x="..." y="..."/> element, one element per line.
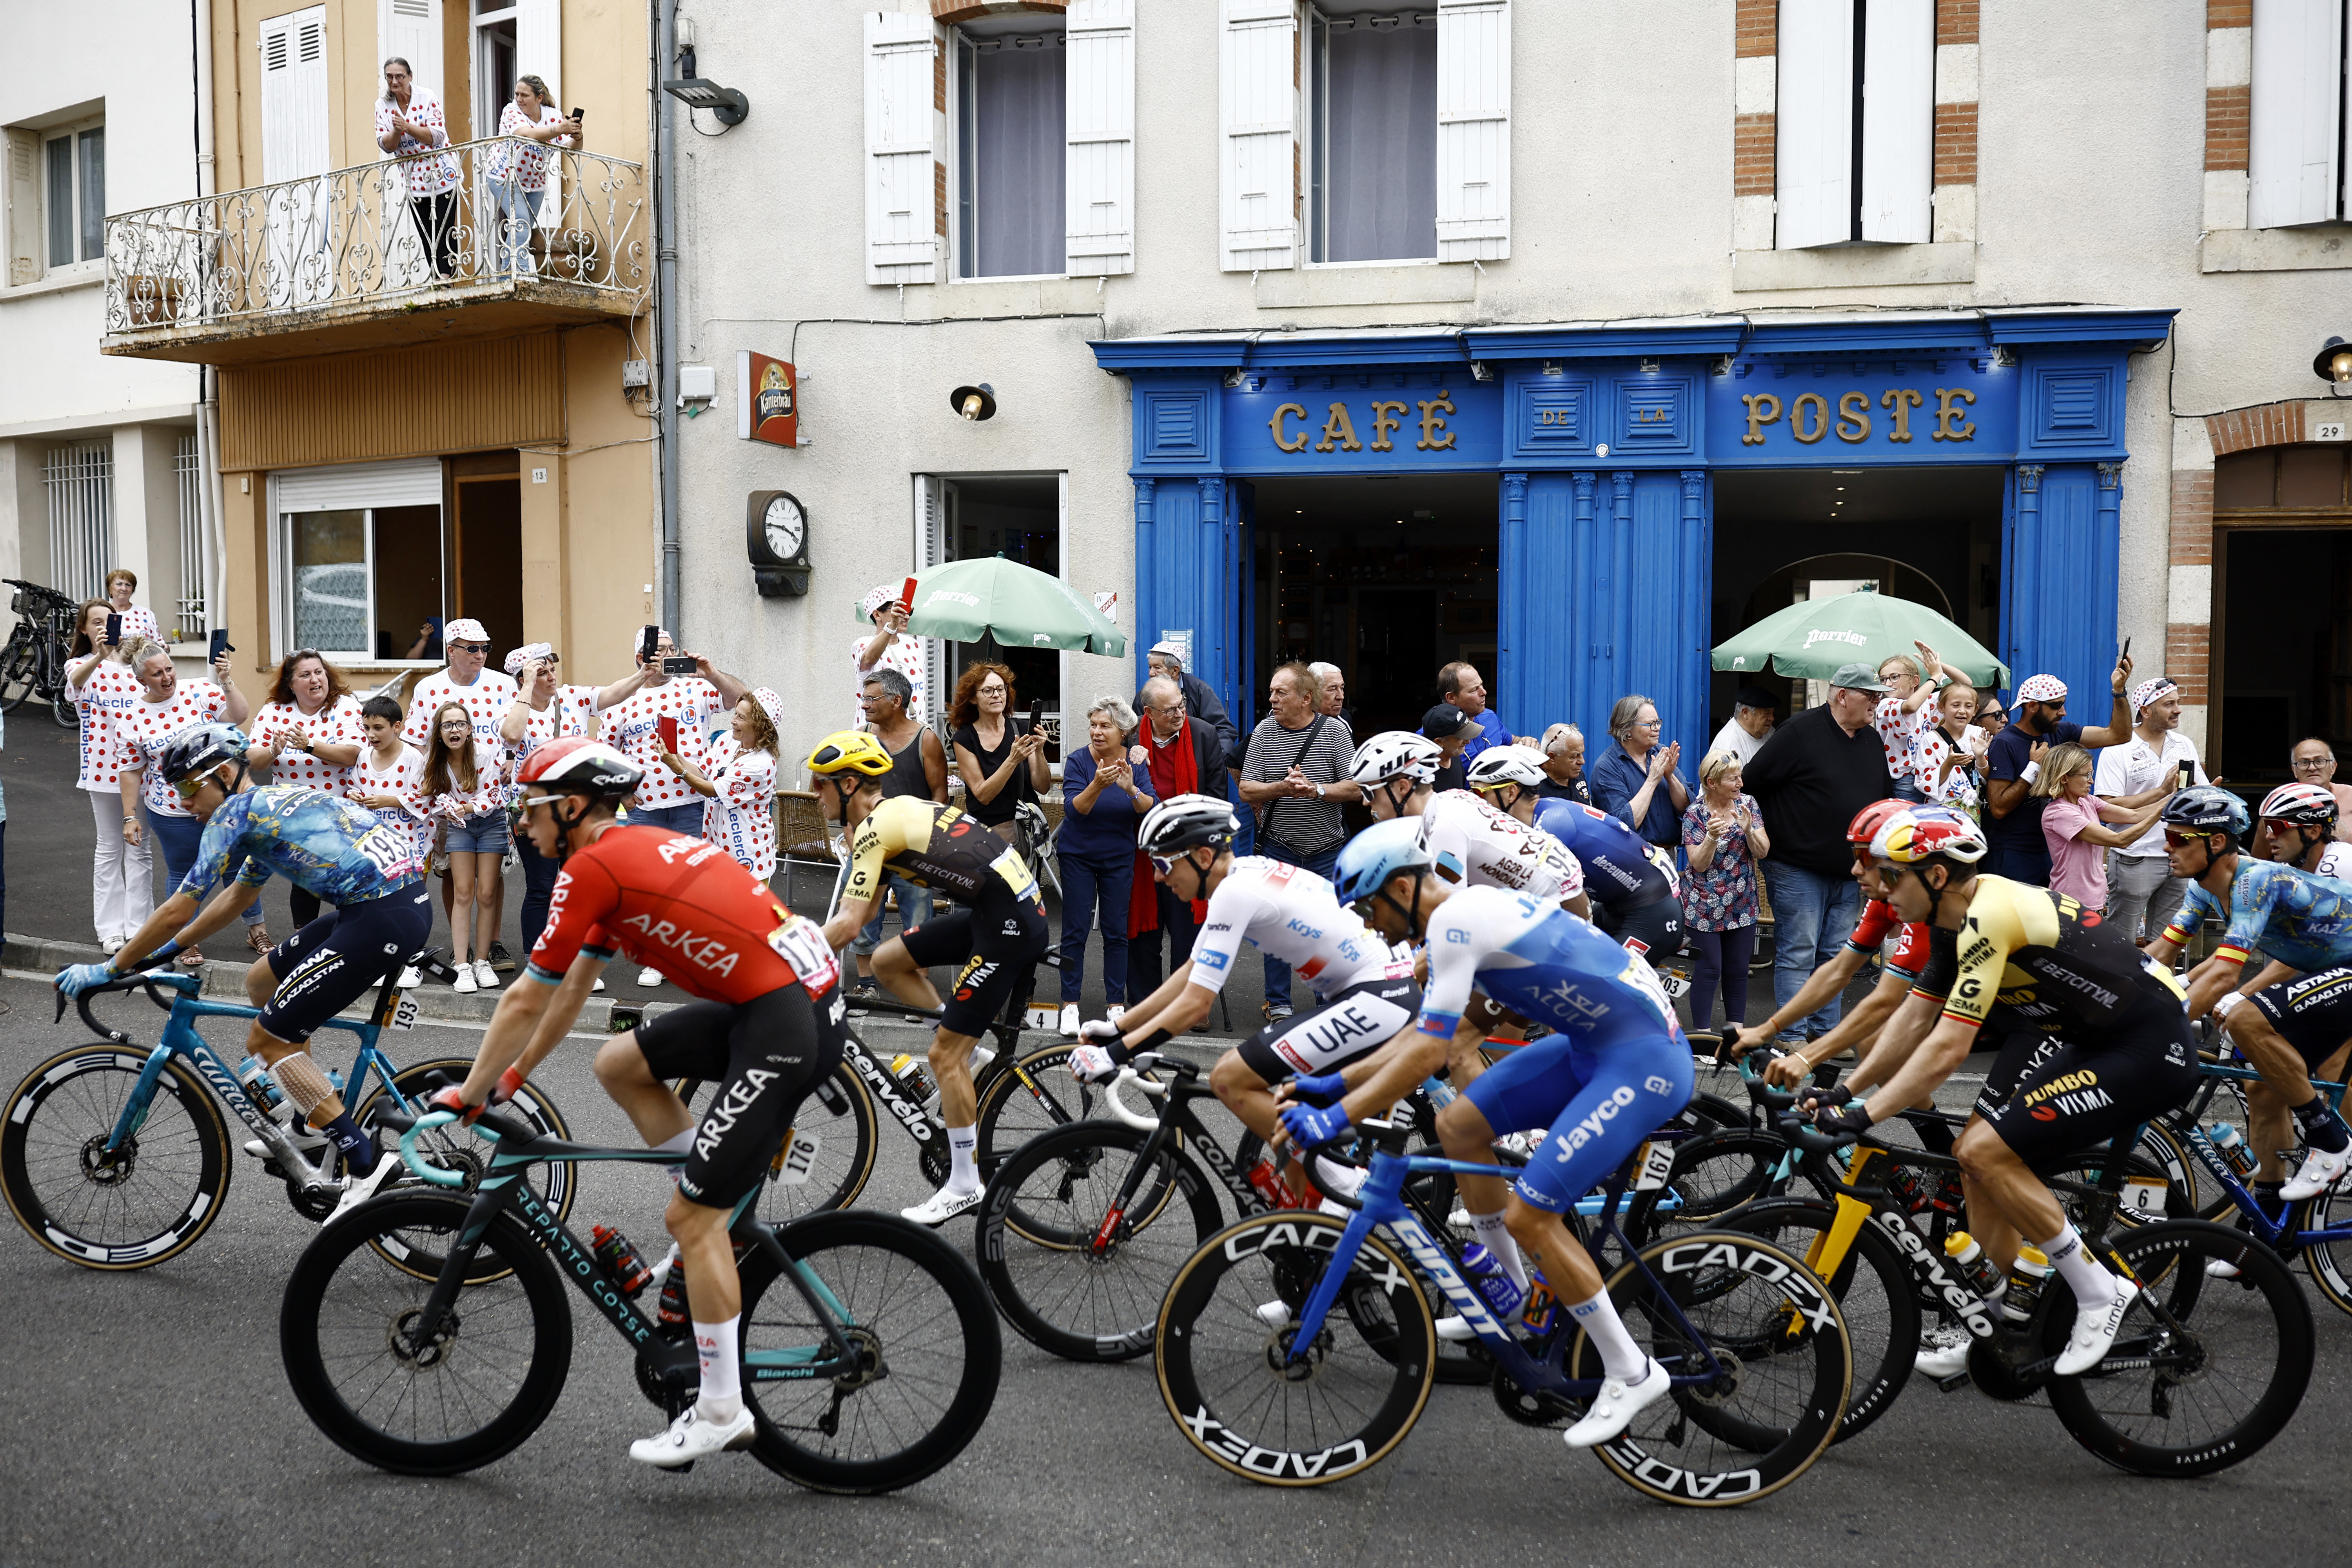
<point x="787" y="528"/>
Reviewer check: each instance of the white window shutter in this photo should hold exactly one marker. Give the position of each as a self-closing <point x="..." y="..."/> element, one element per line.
<point x="1257" y="103"/>
<point x="1099" y="107"/>
<point x="410" y="29"/>
<point x="279" y="114"/>
<point x="2298" y="81"/>
<point x="901" y="236"/>
<point x="25" y="234"/>
<point x="539" y="51"/>
<point x="1899" y="120"/>
<point x="1474" y="130"/>
<point x="308" y="133"/>
<point x="1814" y="126"/>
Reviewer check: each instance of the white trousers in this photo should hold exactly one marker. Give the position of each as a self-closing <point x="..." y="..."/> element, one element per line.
<point x="122" y="878"/>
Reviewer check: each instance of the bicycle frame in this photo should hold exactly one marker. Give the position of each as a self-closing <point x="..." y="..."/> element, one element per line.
<point x="2277" y="1233"/>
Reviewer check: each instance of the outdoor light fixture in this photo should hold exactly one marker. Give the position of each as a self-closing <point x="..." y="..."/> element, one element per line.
<point x="2332" y="364"/>
<point x="974" y="402"/>
<point x="695" y="92"/>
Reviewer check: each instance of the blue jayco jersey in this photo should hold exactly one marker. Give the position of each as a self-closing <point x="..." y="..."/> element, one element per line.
<point x="1618" y="871"/>
<point x="1543" y="963"/>
<point x="2290" y="915"/>
<point x="333" y="849"/>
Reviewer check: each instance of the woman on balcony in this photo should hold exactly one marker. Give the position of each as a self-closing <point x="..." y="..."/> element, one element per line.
<point x="409" y="122"/>
<point x="519" y="170"/>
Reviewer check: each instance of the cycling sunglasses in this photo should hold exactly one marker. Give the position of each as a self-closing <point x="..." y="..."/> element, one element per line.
<point x="186" y="788"/>
<point x="2175" y="839"/>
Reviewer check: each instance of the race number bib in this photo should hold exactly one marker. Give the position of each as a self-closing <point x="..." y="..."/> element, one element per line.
<point x="801" y="943"/>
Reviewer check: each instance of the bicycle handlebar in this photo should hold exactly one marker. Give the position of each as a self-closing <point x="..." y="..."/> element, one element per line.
<point x="187" y="983"/>
<point x="1117" y="1107"/>
<point x="432" y="1174"/>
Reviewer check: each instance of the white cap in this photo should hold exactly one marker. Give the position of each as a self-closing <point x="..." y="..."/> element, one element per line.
<point x="465" y="629"/>
<point x="1170" y="650"/>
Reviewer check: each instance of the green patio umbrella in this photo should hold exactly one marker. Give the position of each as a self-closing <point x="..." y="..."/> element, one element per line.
<point x="1812" y="637"/>
<point x="1020" y="607"/>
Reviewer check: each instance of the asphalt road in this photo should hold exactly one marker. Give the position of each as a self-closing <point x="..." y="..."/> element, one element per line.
<point x="145" y="1418"/>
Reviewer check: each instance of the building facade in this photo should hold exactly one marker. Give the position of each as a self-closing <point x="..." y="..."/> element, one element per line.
<point x="430" y="374"/>
<point x="1565" y="338"/>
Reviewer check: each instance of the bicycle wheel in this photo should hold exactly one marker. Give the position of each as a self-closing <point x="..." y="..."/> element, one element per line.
<point x="828" y="1157"/>
<point x="18" y="662"/>
<point x="1231" y="1380"/>
<point x="914" y="1307"/>
<point x="485" y="1383"/>
<point x="1064" y="1284"/>
<point x="2205" y="1371"/>
<point x="2330" y="1262"/>
<point x="1786" y="1364"/>
<point x="148" y="1201"/>
<point x="454" y="1149"/>
<point x="1020" y="1100"/>
<point x="62" y="708"/>
<point x="1875" y="1291"/>
<point x="1712" y="1177"/>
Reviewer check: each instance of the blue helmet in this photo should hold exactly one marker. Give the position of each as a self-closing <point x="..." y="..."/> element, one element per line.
<point x="2209" y="808"/>
<point x="198" y="748"/>
<point x="1377" y="854"/>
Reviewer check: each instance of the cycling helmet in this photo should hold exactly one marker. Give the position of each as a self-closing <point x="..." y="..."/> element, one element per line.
<point x="1184" y="822"/>
<point x="2305" y="805"/>
<point x="1499" y="765"/>
<point x="1922" y="834"/>
<point x="849" y="750"/>
<point x="1393" y="754"/>
<point x="577" y="765"/>
<point x="198" y="748"/>
<point x="1384" y="851"/>
<point x="2206" y="809"/>
<point x="1869" y="820"/>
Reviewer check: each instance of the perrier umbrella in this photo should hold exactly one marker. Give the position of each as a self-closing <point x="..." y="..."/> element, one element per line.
<point x="1812" y="637"/>
<point x="1020" y="607"/>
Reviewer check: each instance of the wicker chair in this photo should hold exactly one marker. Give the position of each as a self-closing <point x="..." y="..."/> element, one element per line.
<point x="804" y="838"/>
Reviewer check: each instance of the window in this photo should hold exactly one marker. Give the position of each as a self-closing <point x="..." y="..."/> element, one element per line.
<point x="362" y="582"/>
<point x="1856" y="120"/>
<point x="80" y="485"/>
<point x="2296" y="135"/>
<point x="1010" y="148"/>
<point x="1371" y="115"/>
<point x="74" y="194"/>
<point x="188" y="491"/>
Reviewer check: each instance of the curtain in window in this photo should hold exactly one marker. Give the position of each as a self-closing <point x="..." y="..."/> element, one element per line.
<point x="328" y="551"/>
<point x="1017" y="122"/>
<point x="1380" y="122"/>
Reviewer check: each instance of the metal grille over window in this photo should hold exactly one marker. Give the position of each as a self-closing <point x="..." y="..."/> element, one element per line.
<point x="80" y="482"/>
<point x="188" y="490"/>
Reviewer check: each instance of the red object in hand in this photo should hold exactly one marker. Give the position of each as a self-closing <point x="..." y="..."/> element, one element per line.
<point x="454" y="1099"/>
<point x="667" y="727"/>
<point x="907" y="598"/>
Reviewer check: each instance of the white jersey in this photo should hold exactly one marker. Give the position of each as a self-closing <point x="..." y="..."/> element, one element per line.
<point x="1471" y="842"/>
<point x="1289" y="913"/>
<point x="2335" y="861"/>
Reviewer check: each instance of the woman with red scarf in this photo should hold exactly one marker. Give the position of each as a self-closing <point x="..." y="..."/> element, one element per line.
<point x="1185" y="758"/>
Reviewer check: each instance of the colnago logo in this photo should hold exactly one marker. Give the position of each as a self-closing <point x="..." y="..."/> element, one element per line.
<point x="739" y="1099"/>
<point x="1273" y="1463"/>
<point x="1971" y="1309"/>
<point x="1854" y="639"/>
<point x="705" y="953"/>
<point x="886" y="1089"/>
<point x="1589" y="1126"/>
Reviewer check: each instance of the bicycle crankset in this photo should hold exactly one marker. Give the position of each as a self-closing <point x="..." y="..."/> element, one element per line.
<point x="1533" y="1406"/>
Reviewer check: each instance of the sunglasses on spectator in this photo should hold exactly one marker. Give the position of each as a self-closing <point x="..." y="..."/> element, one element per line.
<point x="472" y="646"/>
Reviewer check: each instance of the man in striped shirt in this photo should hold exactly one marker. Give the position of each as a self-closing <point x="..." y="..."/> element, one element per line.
<point x="1295" y="776"/>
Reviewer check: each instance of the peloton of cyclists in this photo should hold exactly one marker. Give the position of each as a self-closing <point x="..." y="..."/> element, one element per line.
<point x="1632" y="885"/>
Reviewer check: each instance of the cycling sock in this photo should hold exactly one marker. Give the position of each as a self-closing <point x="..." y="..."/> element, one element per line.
<point x="2322" y="1128"/>
<point x="1493" y="1235"/>
<point x="964" y="1172"/>
<point x="681" y="1144"/>
<point x="2266" y="1193"/>
<point x="359" y="1148"/>
<point x="1936" y="1137"/>
<point x="2088" y="1277"/>
<point x="723" y="1375"/>
<point x="1621" y="1358"/>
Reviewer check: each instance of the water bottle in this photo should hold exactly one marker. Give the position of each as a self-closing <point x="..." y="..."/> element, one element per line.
<point x="910" y="1071"/>
<point x="980" y="1056"/>
<point x="1485" y="1271"/>
<point x="1267" y="1180"/>
<point x="259" y="1087"/>
<point x="620" y="1259"/>
<point x="2232" y="1148"/>
<point x="1977" y="1270"/>
<point x="2026" y="1276"/>
<point x="1542" y="1306"/>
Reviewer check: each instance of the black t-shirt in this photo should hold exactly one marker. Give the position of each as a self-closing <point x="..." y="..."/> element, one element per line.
<point x="2005" y="759"/>
<point x="1548" y="790"/>
<point x="1811" y="777"/>
<point x="1016" y="788"/>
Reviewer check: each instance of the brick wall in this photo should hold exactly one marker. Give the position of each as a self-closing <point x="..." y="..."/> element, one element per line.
<point x="1753" y="137"/>
<point x="1756" y="28"/>
<point x="2266" y="424"/>
<point x="1956" y="21"/>
<point x="1956" y="143"/>
<point x="2229" y="110"/>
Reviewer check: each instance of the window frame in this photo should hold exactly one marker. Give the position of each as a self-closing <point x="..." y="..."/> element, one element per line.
<point x="281" y="569"/>
<point x="1314" y="120"/>
<point x="71" y="134"/>
<point x="962" y="131"/>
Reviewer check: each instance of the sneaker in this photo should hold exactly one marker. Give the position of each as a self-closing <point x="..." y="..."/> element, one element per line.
<point x="599" y="985"/>
<point x="1943" y="1353"/>
<point x="690" y="1437"/>
<point x="1069" y="1020"/>
<point x="2317" y="1172"/>
<point x="1274" y="1314"/>
<point x="943" y="1205"/>
<point x="1455" y="1329"/>
<point x="649" y="977"/>
<point x="410" y="979"/>
<point x="1613" y="1408"/>
<point x="1113" y="1013"/>
<point x="486" y="975"/>
<point x="2094" y="1331"/>
<point x="307" y="1140"/>
<point x="1276" y="1012"/>
<point x="464" y="985"/>
<point x="357" y="1190"/>
<point x="111" y="946"/>
<point x="500" y="958"/>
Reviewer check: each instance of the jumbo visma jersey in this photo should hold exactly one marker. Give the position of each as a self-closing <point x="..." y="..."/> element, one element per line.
<point x="2290" y="915"/>
<point x="2029" y="956"/>
<point x="934" y="845"/>
<point x="337" y="852"/>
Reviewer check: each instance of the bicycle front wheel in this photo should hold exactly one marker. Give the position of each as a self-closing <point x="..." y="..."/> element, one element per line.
<point x="1875" y="1293"/>
<point x="828" y="1157"/>
<point x="1018" y="1100"/>
<point x="148" y="1200"/>
<point x="471" y="1393"/>
<point x="1247" y="1394"/>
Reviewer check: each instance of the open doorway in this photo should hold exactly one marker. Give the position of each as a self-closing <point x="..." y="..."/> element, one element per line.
<point x="1019" y="517"/>
<point x="2286" y="637"/>
<point x="1388" y="578"/>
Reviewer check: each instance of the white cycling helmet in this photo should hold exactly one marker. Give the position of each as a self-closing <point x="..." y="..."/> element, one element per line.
<point x="1183" y="821"/>
<point x="1499" y="765"/>
<point x="1396" y="755"/>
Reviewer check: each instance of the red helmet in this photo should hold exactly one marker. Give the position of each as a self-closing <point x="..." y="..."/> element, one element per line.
<point x="1868" y="821"/>
<point x="577" y="765"/>
<point x="1924" y="833"/>
<point x="2307" y="804"/>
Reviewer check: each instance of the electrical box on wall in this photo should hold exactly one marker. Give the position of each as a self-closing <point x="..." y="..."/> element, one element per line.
<point x="697" y="384"/>
<point x="636" y="374"/>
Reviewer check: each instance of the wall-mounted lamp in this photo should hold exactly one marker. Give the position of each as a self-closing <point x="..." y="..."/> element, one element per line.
<point x="1551" y="367"/>
<point x="1650" y="366"/>
<point x="974" y="402"/>
<point x="1481" y="371"/>
<point x="2332" y="364"/>
<point x="1232" y="379"/>
<point x="731" y="107"/>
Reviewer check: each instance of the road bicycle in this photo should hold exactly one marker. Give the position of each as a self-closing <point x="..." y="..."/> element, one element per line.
<point x="112" y="1156"/>
<point x="1755" y="1344"/>
<point x="2220" y="1102"/>
<point x="870" y="1365"/>
<point x="35" y="657"/>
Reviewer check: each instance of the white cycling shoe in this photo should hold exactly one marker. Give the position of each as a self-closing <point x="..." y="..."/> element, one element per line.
<point x="410" y="979"/>
<point x="307" y="1141"/>
<point x="1943" y="1353"/>
<point x="1274" y="1314"/>
<point x="2317" y="1172"/>
<point x="388" y="1170"/>
<point x="2094" y="1331"/>
<point x="944" y="1205"/>
<point x="1455" y="1329"/>
<point x="1614" y="1407"/>
<point x="690" y="1437"/>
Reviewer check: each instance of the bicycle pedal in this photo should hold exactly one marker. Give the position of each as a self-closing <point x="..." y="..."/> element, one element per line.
<point x="1953" y="1384"/>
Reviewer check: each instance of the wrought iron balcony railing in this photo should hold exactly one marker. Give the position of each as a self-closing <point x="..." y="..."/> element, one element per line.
<point x="278" y="253"/>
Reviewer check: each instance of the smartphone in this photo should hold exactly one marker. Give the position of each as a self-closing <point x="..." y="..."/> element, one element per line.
<point x="2187" y="774"/>
<point x="679" y="664"/>
<point x="221" y="645"/>
<point x="1036" y="713"/>
<point x="114" y="631"/>
<point x="667" y="727"/>
<point x="580" y="118"/>
<point x="648" y="640"/>
<point x="2126" y="653"/>
<point x="907" y="598"/>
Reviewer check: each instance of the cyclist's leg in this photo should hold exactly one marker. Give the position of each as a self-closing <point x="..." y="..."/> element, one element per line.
<point x="2021" y="1051"/>
<point x="1325" y="1039"/>
<point x="637" y="1069"/>
<point x="2287" y="1031"/>
<point x="999" y="937"/>
<point x="263" y="974"/>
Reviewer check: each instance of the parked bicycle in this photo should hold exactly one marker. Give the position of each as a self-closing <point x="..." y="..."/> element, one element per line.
<point x="33" y="660"/>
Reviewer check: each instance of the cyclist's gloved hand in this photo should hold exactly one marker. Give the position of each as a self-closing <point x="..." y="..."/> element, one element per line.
<point x="454" y="1099"/>
<point x="1319" y="1088"/>
<point x="1812" y="1097"/>
<point x="1101" y="1031"/>
<point x="510" y="1084"/>
<point x="1309" y="1125"/>
<point x="1848" y="1121"/>
<point x="75" y="978"/>
<point x="1092" y="1064"/>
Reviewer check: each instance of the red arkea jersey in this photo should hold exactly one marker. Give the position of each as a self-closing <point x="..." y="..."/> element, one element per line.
<point x="685" y="906"/>
<point x="1878" y="918"/>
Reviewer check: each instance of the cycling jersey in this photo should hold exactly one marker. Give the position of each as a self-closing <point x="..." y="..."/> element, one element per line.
<point x="2335" y="861"/>
<point x="682" y="905"/>
<point x="933" y="845"/>
<point x="2290" y="915"/>
<point x="1330" y="1035"/>
<point x="2312" y="1013"/>
<point x="1469" y="841"/>
<point x="1870" y="934"/>
<point x="1289" y="913"/>
<point x="331" y="849"/>
<point x="2027" y="955"/>
<point x="1618" y="871"/>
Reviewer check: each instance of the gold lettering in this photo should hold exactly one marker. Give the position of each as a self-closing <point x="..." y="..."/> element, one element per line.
<point x="1763" y="409"/>
<point x="1949" y="425"/>
<point x="1340" y="426"/>
<point x="1902" y="400"/>
<point x="1274" y="424"/>
<point x="1820" y="417"/>
<point x="1853" y="417"/>
<point x="1382" y="424"/>
<point x="1431" y="425"/>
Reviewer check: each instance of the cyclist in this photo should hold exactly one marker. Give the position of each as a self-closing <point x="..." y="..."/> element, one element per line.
<point x="2304" y="925"/>
<point x="337" y="852"/>
<point x="1614" y="1071"/>
<point x="997" y="933"/>
<point x="1631" y="884"/>
<point x="766" y="1025"/>
<point x="2121" y="1052"/>
<point x="2298" y="823"/>
<point x="1364" y="991"/>
<point x="1470" y="839"/>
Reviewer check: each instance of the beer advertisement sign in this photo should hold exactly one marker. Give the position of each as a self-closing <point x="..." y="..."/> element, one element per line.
<point x="769" y="400"/>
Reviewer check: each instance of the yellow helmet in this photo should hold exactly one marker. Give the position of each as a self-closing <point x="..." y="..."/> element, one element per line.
<point x="852" y="750"/>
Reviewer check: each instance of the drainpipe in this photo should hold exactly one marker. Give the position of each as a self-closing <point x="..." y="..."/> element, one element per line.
<point x="666" y="303"/>
<point x="211" y="532"/>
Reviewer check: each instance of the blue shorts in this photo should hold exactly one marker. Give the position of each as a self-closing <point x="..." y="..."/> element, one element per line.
<point x="1600" y="1095"/>
<point x="483" y="835"/>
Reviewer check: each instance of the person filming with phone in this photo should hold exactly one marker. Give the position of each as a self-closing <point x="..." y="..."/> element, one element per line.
<point x="2157" y="761"/>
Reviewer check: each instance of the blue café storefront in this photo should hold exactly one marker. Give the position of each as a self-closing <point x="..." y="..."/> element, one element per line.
<point x="1605" y="443"/>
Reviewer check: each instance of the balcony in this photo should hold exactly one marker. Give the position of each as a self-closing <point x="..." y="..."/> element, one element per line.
<point x="337" y="263"/>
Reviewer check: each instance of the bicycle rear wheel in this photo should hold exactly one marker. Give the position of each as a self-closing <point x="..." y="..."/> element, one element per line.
<point x="1229" y="1378"/>
<point x="828" y="1158"/>
<point x="487" y="1380"/>
<point x="18" y="661"/>
<point x="148" y="1200"/>
<point x="1711" y="1178"/>
<point x="2205" y="1372"/>
<point x="1875" y="1292"/>
<point x="916" y="1310"/>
